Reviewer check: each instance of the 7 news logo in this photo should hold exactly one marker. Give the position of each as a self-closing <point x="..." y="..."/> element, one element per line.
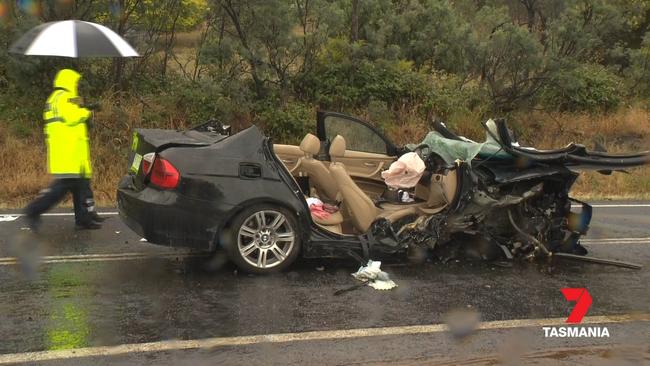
<point x="583" y="301"/>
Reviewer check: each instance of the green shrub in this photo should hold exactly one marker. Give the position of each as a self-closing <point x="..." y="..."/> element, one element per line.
<point x="342" y="78"/>
<point x="586" y="87"/>
<point x="288" y="123"/>
<point x="188" y="103"/>
<point x="638" y="74"/>
<point x="22" y="114"/>
<point x="448" y="96"/>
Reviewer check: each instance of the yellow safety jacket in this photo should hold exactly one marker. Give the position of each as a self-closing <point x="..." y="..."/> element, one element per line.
<point x="65" y="129"/>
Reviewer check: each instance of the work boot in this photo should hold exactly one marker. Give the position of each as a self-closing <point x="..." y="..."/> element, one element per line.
<point x="33" y="223"/>
<point x="91" y="225"/>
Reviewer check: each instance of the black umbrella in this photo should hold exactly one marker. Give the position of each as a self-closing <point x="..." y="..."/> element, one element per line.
<point x="72" y="38"/>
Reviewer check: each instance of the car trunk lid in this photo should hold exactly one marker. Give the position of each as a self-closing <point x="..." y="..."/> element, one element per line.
<point x="149" y="142"/>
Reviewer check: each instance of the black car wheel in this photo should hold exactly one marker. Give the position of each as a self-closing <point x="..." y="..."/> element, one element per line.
<point x="263" y="239"/>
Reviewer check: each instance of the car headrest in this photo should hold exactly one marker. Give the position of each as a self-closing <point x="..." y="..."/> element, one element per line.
<point x="310" y="145"/>
<point x="337" y="147"/>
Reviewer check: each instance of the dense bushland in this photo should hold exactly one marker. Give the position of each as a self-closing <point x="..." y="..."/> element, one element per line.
<point x="578" y="66"/>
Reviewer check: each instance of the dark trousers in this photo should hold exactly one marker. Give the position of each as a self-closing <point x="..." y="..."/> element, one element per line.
<point x="82" y="196"/>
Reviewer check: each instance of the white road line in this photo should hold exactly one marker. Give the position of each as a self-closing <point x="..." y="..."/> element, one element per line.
<point x="623" y="205"/>
<point x="8" y="261"/>
<point x="616" y="243"/>
<point x="117" y="213"/>
<point x="108" y="213"/>
<point x="111" y="213"/>
<point x="207" y="343"/>
<point x="616" y="239"/>
<point x="616" y="205"/>
<point x="110" y="257"/>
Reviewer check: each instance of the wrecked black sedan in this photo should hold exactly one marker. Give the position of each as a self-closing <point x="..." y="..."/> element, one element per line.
<point x="265" y="204"/>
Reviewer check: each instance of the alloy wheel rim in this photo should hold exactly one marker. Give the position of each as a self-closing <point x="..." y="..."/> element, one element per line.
<point x="265" y="239"/>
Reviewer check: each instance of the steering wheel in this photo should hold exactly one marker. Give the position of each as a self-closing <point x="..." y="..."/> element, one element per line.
<point x="422" y="150"/>
<point x="433" y="162"/>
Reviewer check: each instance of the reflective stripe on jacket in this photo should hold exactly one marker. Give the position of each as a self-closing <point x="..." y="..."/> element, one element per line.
<point x="65" y="129"/>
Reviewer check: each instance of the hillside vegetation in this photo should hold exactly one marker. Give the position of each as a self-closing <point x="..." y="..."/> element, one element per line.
<point x="559" y="71"/>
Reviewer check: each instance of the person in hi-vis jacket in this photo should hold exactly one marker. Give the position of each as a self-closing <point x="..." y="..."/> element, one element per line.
<point x="68" y="154"/>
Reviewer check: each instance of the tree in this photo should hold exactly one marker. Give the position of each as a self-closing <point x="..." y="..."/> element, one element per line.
<point x="354" y="21"/>
<point x="506" y="58"/>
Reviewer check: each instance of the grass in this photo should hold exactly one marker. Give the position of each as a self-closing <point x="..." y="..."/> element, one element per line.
<point x="23" y="162"/>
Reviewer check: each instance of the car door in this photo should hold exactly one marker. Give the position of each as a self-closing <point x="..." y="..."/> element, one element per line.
<point x="368" y="152"/>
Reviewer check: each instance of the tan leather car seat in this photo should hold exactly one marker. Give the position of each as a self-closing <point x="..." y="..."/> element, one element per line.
<point x="440" y="191"/>
<point x="362" y="209"/>
<point x="319" y="175"/>
<point x="337" y="148"/>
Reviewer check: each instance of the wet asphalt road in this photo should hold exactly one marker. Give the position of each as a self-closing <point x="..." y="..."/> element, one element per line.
<point x="161" y="295"/>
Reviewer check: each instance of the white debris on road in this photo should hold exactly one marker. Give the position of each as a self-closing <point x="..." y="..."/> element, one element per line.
<point x="376" y="278"/>
<point x="7" y="218"/>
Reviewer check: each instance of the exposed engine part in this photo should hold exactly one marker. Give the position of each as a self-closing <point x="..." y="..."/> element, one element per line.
<point x="506" y="251"/>
<point x="482" y="199"/>
<point x="538" y="244"/>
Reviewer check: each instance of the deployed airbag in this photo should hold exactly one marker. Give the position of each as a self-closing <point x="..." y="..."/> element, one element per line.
<point x="462" y="148"/>
<point x="405" y="172"/>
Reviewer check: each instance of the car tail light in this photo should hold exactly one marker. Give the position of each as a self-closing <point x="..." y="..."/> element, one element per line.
<point x="147" y="162"/>
<point x="163" y="174"/>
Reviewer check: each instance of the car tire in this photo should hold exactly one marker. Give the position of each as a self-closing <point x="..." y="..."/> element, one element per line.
<point x="263" y="239"/>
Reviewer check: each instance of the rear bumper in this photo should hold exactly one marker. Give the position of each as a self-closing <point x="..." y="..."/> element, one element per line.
<point x="168" y="218"/>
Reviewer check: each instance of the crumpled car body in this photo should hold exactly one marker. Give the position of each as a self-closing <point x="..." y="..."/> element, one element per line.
<point x="207" y="189"/>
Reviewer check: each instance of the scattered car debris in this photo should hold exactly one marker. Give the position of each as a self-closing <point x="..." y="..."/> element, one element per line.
<point x="7" y="218"/>
<point x="350" y="288"/>
<point x="374" y="276"/>
<point x="610" y="262"/>
<point x="371" y="275"/>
